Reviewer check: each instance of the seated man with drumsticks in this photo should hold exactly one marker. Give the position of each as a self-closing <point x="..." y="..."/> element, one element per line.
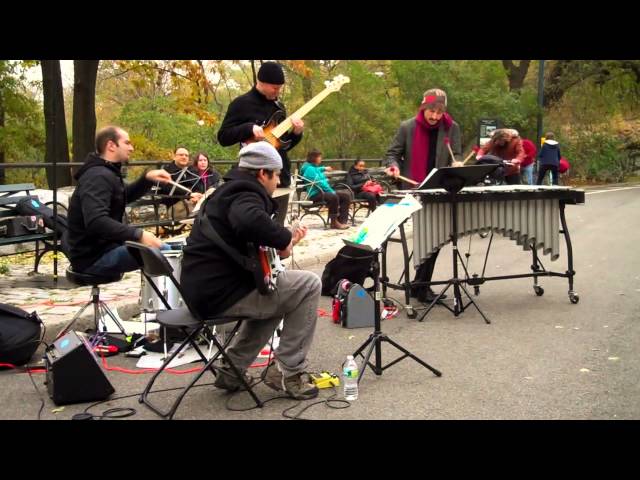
<point x="96" y="234"/>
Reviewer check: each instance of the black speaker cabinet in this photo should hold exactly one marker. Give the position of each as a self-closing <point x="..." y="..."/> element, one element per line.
<point x="74" y="374"/>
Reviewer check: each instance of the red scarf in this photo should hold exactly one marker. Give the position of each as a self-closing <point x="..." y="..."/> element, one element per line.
<point x="420" y="148"/>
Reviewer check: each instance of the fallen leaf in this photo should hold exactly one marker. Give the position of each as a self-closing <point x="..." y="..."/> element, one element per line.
<point x="351" y="337"/>
<point x="614" y="359"/>
<point x="576" y="328"/>
<point x="57" y="410"/>
<point x="595" y="349"/>
<point x="605" y="326"/>
<point x="584" y="370"/>
<point x="528" y="378"/>
<point x="559" y="326"/>
<point x="620" y="293"/>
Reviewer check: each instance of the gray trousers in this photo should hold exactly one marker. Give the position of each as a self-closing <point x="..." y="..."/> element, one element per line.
<point x="295" y="302"/>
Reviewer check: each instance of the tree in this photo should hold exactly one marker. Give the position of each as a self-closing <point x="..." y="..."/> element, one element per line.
<point x="85" y="73"/>
<point x="57" y="147"/>
<point x="516" y="73"/>
<point x="21" y="125"/>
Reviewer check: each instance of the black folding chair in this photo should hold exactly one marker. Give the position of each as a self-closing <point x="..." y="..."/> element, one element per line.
<point x="154" y="264"/>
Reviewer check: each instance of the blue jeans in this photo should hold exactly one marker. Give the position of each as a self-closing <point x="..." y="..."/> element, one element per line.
<point x="117" y="261"/>
<point x="527" y="174"/>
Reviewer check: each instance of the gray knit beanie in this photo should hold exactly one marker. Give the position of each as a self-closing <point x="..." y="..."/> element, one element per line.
<point x="259" y="155"/>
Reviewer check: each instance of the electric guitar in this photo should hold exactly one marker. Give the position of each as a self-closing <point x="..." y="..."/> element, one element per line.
<point x="275" y="127"/>
<point x="269" y="266"/>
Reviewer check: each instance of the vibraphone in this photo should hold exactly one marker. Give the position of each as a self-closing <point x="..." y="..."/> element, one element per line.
<point x="529" y="215"/>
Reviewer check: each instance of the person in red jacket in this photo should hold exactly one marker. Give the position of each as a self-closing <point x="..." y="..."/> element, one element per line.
<point x="526" y="167"/>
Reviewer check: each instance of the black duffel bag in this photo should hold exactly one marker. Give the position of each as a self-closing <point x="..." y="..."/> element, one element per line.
<point x="350" y="263"/>
<point x="20" y="335"/>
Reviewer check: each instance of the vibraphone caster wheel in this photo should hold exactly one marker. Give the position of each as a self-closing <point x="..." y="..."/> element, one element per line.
<point x="539" y="290"/>
<point x="573" y="297"/>
<point x="411" y="313"/>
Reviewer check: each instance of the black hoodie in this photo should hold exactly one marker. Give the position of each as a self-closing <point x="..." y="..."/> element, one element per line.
<point x="240" y="211"/>
<point x="96" y="211"/>
<point x="250" y="109"/>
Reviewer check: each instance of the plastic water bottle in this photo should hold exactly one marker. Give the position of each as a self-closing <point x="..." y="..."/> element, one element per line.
<point x="350" y="378"/>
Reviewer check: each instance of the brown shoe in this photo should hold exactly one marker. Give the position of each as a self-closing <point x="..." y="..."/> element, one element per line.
<point x="337" y="225"/>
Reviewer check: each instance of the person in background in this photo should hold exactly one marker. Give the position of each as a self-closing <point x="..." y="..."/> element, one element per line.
<point x="182" y="174"/>
<point x="528" y="162"/>
<point x="549" y="159"/>
<point x="362" y="185"/>
<point x="207" y="174"/>
<point x="319" y="190"/>
<point x="505" y="143"/>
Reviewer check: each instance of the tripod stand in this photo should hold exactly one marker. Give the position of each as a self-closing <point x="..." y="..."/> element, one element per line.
<point x="377" y="337"/>
<point x="453" y="180"/>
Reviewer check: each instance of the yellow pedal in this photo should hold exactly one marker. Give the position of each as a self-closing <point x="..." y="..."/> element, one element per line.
<point x="325" y="379"/>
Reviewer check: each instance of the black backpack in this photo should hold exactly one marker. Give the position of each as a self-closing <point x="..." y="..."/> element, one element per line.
<point x="350" y="263"/>
<point x="32" y="206"/>
<point x="20" y="334"/>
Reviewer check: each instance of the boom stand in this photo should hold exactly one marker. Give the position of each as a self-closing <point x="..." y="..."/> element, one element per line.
<point x="453" y="180"/>
<point x="377" y="337"/>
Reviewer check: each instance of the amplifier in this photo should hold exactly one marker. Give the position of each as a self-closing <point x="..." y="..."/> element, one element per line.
<point x="360" y="308"/>
<point x="74" y="374"/>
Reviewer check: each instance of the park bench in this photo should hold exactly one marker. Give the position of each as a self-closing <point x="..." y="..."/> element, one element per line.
<point x="44" y="240"/>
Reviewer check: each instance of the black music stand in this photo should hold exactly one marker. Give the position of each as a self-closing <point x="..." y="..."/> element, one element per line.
<point x="377" y="337"/>
<point x="454" y="179"/>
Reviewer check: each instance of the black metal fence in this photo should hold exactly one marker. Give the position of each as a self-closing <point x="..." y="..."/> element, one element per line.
<point x="220" y="165"/>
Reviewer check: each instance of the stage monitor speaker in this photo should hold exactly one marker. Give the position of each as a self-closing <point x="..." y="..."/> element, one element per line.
<point x="360" y="308"/>
<point x="74" y="374"/>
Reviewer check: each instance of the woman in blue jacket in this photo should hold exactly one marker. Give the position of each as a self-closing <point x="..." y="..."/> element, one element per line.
<point x="319" y="190"/>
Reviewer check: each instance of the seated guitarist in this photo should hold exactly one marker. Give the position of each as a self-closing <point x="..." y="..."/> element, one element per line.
<point x="240" y="212"/>
<point x="248" y="113"/>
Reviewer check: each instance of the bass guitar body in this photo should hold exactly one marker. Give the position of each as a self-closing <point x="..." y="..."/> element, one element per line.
<point x="268" y="127"/>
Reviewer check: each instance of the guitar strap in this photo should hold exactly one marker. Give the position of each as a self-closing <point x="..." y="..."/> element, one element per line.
<point x="249" y="264"/>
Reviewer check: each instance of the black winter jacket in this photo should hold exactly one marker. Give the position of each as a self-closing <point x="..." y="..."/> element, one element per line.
<point x="240" y="211"/>
<point x="356" y="179"/>
<point x="96" y="211"/>
<point x="248" y="110"/>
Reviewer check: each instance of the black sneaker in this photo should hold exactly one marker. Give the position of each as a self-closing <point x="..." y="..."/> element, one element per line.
<point x="428" y="296"/>
<point x="227" y="380"/>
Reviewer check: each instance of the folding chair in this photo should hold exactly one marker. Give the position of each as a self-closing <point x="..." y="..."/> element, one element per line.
<point x="154" y="264"/>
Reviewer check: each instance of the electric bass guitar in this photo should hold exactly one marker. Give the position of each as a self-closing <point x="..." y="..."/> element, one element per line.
<point x="276" y="126"/>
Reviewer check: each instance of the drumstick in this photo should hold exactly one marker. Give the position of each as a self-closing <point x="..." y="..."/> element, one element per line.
<point x="448" y="143"/>
<point x="468" y="157"/>
<point x="179" y="186"/>
<point x="408" y="180"/>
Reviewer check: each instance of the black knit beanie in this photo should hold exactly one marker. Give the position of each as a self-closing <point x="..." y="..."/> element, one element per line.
<point x="271" y="72"/>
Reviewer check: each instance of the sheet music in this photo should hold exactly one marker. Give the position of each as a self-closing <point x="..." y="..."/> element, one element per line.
<point x="382" y="223"/>
<point x="431" y="174"/>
